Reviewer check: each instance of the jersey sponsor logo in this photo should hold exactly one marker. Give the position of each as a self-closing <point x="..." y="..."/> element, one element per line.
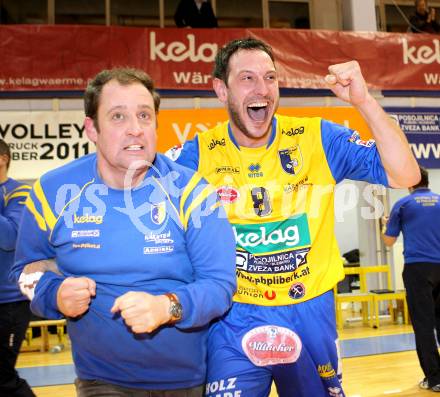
<point x="291" y="159"/>
<point x="159" y="238"/>
<point x="426" y="201"/>
<point x="289" y="188"/>
<point x="228" y="194"/>
<point x="271" y="345"/>
<point x="356" y="139"/>
<point x="297" y="291"/>
<point x="97" y="219"/>
<point x="174" y="152"/>
<point x="261" y="201"/>
<point x="273" y="236"/>
<point x="256" y="293"/>
<point x="326" y="371"/>
<point x="254" y="171"/>
<point x="273" y="280"/>
<point x="85" y="233"/>
<point x="252" y="292"/>
<point x="227" y="169"/>
<point x="223" y="388"/>
<point x="270" y="295"/>
<point x="158" y="213"/>
<point x="216" y="142"/>
<point x="158" y="250"/>
<point x="281" y="262"/>
<point x="86" y="245"/>
<point x="293" y="131"/>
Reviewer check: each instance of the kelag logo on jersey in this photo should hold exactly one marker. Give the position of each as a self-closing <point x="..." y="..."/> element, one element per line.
<point x="270" y="237"/>
<point x="291" y="159"/>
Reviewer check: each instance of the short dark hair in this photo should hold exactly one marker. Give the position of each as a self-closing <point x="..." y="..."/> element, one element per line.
<point x="5" y="151"/>
<point x="124" y="76"/>
<point x="424" y="180"/>
<point x="221" y="65"/>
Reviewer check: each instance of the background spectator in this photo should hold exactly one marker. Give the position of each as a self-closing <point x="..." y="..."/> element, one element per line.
<point x="14" y="307"/>
<point x="424" y="19"/>
<point x="195" y="14"/>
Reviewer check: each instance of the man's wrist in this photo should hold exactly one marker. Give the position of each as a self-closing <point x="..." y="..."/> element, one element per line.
<point x="175" y="309"/>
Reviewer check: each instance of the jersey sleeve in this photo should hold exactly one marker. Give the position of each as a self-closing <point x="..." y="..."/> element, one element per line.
<point x="13" y="205"/>
<point x="348" y="156"/>
<point x="33" y="244"/>
<point x="211" y="249"/>
<point x="186" y="154"/>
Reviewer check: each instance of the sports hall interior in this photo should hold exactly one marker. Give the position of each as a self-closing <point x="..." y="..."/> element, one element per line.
<point x="376" y="338"/>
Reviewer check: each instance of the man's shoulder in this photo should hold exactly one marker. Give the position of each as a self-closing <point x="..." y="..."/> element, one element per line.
<point x="72" y="172"/>
<point x="12" y="185"/>
<point x="292" y="126"/>
<point x="220" y="131"/>
<point x="165" y="166"/>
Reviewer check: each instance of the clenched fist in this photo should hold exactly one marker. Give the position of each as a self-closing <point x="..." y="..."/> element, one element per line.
<point x="143" y="312"/>
<point x="74" y="295"/>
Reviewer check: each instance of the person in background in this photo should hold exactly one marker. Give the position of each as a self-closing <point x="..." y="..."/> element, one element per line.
<point x="195" y="14"/>
<point x="275" y="175"/>
<point x="135" y="240"/>
<point x="424" y="18"/>
<point x="417" y="217"/>
<point x="14" y="307"/>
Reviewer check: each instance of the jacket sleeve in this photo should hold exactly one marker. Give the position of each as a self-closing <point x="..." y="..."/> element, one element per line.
<point x="33" y="244"/>
<point x="10" y="217"/>
<point x="211" y="249"/>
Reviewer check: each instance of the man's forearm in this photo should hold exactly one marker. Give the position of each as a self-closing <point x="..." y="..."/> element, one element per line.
<point x="31" y="274"/>
<point x="45" y="265"/>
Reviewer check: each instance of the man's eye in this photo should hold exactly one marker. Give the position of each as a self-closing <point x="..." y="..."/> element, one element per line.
<point x="118" y="116"/>
<point x="144" y="116"/>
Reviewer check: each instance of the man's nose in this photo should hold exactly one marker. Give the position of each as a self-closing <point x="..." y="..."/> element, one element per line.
<point x="134" y="128"/>
<point x="261" y="86"/>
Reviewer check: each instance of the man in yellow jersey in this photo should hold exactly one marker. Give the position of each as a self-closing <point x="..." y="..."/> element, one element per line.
<point x="275" y="175"/>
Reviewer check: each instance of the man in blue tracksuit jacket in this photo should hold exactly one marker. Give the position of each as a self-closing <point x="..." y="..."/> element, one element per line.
<point x="135" y="238"/>
<point x="417" y="216"/>
<point x="14" y="307"/>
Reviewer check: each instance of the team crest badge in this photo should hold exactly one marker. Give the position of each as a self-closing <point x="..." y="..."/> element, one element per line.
<point x="291" y="159"/>
<point x="158" y="213"/>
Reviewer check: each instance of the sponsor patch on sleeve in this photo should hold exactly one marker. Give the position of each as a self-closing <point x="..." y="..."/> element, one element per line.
<point x="174" y="152"/>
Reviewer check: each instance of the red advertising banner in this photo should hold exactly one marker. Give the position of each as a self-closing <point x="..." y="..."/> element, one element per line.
<point x="51" y="58"/>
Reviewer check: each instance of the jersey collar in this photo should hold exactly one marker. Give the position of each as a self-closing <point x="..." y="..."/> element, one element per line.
<point x="421" y="190"/>
<point x="271" y="139"/>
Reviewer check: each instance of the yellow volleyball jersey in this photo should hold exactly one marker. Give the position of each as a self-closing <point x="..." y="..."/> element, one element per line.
<point x="279" y="200"/>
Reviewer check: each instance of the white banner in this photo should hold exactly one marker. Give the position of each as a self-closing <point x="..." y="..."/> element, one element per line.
<point x="41" y="141"/>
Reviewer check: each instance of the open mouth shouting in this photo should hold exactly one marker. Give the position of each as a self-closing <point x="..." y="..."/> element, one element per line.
<point x="258" y="110"/>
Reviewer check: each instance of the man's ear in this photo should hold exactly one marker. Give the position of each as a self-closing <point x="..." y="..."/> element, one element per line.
<point x="91" y="131"/>
<point x="4" y="159"/>
<point x="220" y="89"/>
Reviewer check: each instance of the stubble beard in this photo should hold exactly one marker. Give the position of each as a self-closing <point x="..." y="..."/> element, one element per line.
<point x="239" y="123"/>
